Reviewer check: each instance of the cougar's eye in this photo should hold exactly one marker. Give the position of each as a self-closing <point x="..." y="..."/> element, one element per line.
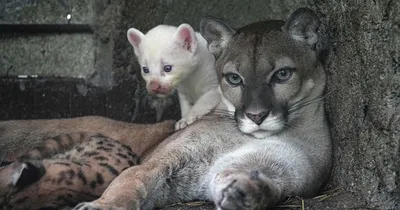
<point x="145" y="69"/>
<point x="282" y="75"/>
<point x="233" y="79"/>
<point x="167" y="68"/>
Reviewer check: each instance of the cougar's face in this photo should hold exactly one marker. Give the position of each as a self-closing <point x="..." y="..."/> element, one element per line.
<point x="265" y="76"/>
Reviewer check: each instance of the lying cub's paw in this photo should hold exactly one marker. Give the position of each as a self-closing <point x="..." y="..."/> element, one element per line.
<point x="96" y="206"/>
<point x="182" y="123"/>
<point x="241" y="191"/>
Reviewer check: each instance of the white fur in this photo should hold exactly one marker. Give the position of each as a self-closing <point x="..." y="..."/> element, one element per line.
<point x="193" y="72"/>
<point x="267" y="128"/>
<point x="265" y="150"/>
<point x="228" y="105"/>
<point x="17" y="174"/>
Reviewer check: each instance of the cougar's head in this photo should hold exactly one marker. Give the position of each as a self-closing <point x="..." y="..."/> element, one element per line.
<point x="269" y="71"/>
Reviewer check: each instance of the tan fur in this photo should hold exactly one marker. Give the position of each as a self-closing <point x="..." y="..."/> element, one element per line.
<point x="72" y="167"/>
<point x="18" y="136"/>
<point x="80" y="173"/>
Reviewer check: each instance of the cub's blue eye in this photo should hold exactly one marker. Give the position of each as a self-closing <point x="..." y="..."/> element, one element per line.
<point x="167" y="68"/>
<point x="145" y="69"/>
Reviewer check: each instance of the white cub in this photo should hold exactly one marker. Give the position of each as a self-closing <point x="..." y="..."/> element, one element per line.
<point x="178" y="58"/>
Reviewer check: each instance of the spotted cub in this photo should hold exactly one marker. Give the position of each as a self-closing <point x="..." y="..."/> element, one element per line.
<point x="63" y="171"/>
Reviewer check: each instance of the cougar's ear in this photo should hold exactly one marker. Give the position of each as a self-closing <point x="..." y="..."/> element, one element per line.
<point x="135" y="37"/>
<point x="216" y="33"/>
<point x="303" y="26"/>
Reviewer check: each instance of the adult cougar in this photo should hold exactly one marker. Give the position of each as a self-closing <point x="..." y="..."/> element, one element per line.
<point x="272" y="142"/>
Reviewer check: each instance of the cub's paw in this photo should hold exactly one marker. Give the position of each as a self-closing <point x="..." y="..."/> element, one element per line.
<point x="182" y="123"/>
<point x="96" y="206"/>
<point x="241" y="190"/>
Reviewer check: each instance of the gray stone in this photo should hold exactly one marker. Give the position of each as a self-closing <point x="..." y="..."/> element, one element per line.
<point x="51" y="55"/>
<point x="82" y="55"/>
<point x="237" y="13"/>
<point x="46" y="12"/>
<point x="363" y="98"/>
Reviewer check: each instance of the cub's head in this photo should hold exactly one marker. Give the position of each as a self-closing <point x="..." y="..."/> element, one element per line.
<point x="166" y="55"/>
<point x="16" y="177"/>
<point x="269" y="71"/>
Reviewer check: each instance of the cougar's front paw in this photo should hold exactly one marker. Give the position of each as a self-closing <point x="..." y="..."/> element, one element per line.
<point x="182" y="123"/>
<point x="96" y="206"/>
<point x="240" y="190"/>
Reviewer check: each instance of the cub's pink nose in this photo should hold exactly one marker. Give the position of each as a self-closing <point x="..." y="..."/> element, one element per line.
<point x="157" y="88"/>
<point x="154" y="86"/>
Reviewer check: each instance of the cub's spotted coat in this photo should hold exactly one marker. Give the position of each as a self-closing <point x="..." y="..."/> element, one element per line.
<point x="87" y="160"/>
<point x="64" y="171"/>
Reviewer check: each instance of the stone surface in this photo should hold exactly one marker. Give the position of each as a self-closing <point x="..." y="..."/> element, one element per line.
<point x="53" y="55"/>
<point x="363" y="98"/>
<point x="237" y="13"/>
<point x="46" y="12"/>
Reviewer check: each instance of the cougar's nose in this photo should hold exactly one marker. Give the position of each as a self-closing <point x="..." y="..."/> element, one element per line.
<point x="257" y="118"/>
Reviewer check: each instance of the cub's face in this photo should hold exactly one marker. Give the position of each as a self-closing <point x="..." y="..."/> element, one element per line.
<point x="268" y="71"/>
<point x="14" y="177"/>
<point x="166" y="55"/>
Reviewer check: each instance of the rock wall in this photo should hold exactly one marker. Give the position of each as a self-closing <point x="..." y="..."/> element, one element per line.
<point x="363" y="98"/>
<point x="70" y="55"/>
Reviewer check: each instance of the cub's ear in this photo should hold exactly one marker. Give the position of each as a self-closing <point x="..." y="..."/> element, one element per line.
<point x="216" y="33"/>
<point x="135" y="37"/>
<point x="21" y="174"/>
<point x="303" y="26"/>
<point x="186" y="37"/>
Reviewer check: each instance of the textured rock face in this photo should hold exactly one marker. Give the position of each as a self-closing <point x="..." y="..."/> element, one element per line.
<point x="38" y="55"/>
<point x="363" y="98"/>
<point x="49" y="12"/>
